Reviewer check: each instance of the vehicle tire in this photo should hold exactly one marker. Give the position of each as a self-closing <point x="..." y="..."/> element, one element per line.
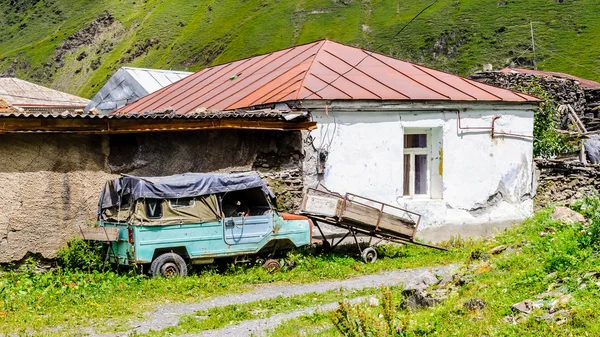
<point x="369" y="255"/>
<point x="168" y="265"/>
<point x="272" y="265"/>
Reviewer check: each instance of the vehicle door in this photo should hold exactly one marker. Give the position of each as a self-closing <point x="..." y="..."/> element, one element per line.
<point x="251" y="226"/>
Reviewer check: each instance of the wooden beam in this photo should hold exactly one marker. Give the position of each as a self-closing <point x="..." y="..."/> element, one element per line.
<point x="99" y="234"/>
<point x="137" y="125"/>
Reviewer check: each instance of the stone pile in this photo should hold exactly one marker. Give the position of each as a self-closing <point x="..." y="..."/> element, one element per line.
<point x="563" y="91"/>
<point x="563" y="182"/>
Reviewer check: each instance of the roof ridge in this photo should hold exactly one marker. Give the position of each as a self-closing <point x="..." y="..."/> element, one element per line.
<point x="159" y="70"/>
<point x="308" y="70"/>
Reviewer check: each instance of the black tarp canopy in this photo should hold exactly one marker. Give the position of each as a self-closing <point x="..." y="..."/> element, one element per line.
<point x="120" y="190"/>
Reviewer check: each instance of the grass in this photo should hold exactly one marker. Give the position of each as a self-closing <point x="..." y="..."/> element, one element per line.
<point x="532" y="265"/>
<point x="31" y="302"/>
<point x="542" y="254"/>
<point x="456" y="36"/>
<point x="220" y="317"/>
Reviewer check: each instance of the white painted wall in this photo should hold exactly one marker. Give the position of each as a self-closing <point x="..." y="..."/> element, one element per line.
<point x="480" y="182"/>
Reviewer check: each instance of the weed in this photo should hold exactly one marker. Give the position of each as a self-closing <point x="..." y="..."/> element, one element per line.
<point x="81" y="255"/>
<point x="358" y="321"/>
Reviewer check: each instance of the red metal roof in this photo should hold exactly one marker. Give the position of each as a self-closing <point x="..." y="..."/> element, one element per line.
<point x="319" y="70"/>
<point x="582" y="81"/>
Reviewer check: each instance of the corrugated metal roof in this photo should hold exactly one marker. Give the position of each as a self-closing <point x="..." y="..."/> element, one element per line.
<point x="19" y="93"/>
<point x="318" y="70"/>
<point x="163" y="115"/>
<point x="582" y="81"/>
<point x="129" y="84"/>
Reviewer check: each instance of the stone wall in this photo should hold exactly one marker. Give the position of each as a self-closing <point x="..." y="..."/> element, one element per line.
<point x="564" y="182"/>
<point x="563" y="91"/>
<point x="50" y="184"/>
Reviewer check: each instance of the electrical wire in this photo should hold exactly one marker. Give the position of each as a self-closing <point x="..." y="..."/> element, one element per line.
<point x="371" y="53"/>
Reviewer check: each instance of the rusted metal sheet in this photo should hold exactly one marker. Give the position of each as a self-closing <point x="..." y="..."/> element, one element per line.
<point x="319" y="70"/>
<point x="19" y="93"/>
<point x="113" y="126"/>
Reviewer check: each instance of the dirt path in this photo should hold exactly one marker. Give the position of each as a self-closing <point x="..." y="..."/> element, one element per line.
<point x="259" y="327"/>
<point x="168" y="315"/>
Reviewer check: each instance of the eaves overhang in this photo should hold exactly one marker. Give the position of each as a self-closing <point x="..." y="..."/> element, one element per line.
<point x="140" y="123"/>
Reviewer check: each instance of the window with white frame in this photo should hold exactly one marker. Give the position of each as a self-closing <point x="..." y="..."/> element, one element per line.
<point x="416" y="163"/>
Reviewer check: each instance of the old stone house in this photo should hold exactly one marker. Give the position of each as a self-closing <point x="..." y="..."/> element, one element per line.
<point x="455" y="150"/>
<point x="54" y="160"/>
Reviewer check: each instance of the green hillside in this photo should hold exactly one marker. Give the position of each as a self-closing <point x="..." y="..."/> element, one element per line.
<point x="75" y="45"/>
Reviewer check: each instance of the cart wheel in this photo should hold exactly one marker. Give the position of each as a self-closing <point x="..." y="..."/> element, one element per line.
<point x="369" y="255"/>
<point x="272" y="265"/>
<point x="168" y="265"/>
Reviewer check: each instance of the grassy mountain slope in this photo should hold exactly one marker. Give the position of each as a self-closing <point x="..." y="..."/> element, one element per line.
<point x="75" y="45"/>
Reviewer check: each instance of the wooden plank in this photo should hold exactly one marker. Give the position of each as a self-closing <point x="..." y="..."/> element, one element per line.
<point x="367" y="217"/>
<point x="321" y="205"/>
<point x="99" y="234"/>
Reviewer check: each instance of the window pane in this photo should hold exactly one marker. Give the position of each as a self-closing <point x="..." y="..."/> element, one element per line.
<point x="415" y="141"/>
<point x="153" y="208"/>
<point x="181" y="202"/>
<point x="421" y="174"/>
<point x="406" y="174"/>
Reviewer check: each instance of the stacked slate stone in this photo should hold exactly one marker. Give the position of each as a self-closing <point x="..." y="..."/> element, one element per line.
<point x="563" y="91"/>
<point x="591" y="117"/>
<point x="563" y="182"/>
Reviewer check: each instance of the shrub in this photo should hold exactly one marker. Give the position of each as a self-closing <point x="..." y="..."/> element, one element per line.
<point x="359" y="321"/>
<point x="81" y="255"/>
<point x="589" y="206"/>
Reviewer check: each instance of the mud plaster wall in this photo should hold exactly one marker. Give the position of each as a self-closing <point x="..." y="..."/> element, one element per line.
<point x="50" y="184"/>
<point x="477" y="183"/>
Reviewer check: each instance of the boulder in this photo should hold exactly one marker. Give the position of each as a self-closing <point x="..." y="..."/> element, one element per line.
<point x="474" y="304"/>
<point x="421" y="281"/>
<point x="567" y="215"/>
<point x="418" y="300"/>
<point x="523" y="307"/>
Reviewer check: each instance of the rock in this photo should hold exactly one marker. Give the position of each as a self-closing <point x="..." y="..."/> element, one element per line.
<point x="539" y="304"/>
<point x="547" y="294"/>
<point x="523" y="307"/>
<point x="560" y="317"/>
<point x="567" y="215"/>
<point x="560" y="302"/>
<point x="422" y="281"/>
<point x="474" y="304"/>
<point x="497" y="250"/>
<point x="509" y="319"/>
<point x="419" y="300"/>
<point x="374" y="302"/>
<point x="450" y="280"/>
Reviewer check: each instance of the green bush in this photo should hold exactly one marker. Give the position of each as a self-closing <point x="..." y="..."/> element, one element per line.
<point x="547" y="142"/>
<point x="360" y="321"/>
<point x="589" y="207"/>
<point x="81" y="255"/>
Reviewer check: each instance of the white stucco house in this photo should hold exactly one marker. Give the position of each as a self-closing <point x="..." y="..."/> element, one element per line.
<point x="457" y="151"/>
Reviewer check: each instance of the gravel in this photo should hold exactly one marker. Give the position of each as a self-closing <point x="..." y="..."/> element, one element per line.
<point x="168" y="315"/>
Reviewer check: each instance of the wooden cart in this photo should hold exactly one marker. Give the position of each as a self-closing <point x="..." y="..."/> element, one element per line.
<point x="360" y="215"/>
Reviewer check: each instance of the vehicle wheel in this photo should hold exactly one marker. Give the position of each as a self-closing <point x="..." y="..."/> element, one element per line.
<point x="168" y="265"/>
<point x="369" y="255"/>
<point x="272" y="265"/>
